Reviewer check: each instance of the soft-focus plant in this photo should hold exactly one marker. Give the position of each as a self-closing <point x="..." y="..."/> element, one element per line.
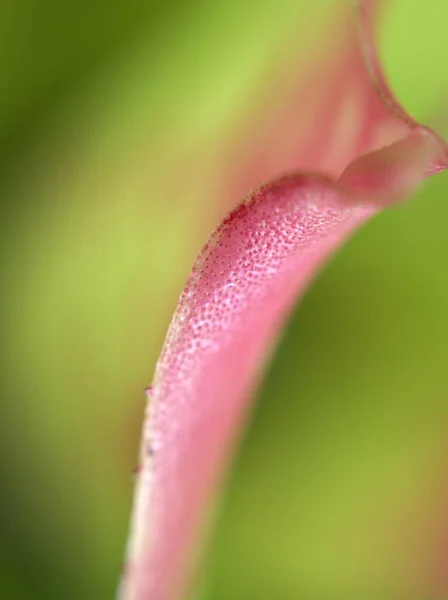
<point x="126" y="135"/>
<point x="336" y="149"/>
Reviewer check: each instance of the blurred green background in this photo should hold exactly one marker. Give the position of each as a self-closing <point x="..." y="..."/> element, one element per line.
<point x="337" y="488"/>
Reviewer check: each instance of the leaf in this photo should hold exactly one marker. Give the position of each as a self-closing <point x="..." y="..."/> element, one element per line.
<point x="249" y="275"/>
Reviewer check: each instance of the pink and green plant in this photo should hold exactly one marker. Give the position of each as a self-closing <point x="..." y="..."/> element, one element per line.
<point x="337" y="148"/>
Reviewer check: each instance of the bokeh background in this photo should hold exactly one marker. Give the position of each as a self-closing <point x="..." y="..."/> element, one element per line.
<point x="112" y="118"/>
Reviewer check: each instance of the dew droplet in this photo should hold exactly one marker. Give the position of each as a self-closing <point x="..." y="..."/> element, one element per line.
<point x="150" y="450"/>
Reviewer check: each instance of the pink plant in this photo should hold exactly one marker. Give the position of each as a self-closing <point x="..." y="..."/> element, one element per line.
<point x="358" y="151"/>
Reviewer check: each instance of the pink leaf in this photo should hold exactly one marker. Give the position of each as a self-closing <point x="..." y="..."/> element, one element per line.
<point x="251" y="272"/>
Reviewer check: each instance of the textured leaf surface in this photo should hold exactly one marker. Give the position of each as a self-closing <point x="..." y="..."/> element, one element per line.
<point x="247" y="278"/>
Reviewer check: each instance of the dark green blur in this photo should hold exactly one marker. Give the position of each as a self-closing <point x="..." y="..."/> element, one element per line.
<point x="96" y="100"/>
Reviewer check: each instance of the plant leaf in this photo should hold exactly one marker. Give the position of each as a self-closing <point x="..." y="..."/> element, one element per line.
<point x="253" y="269"/>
